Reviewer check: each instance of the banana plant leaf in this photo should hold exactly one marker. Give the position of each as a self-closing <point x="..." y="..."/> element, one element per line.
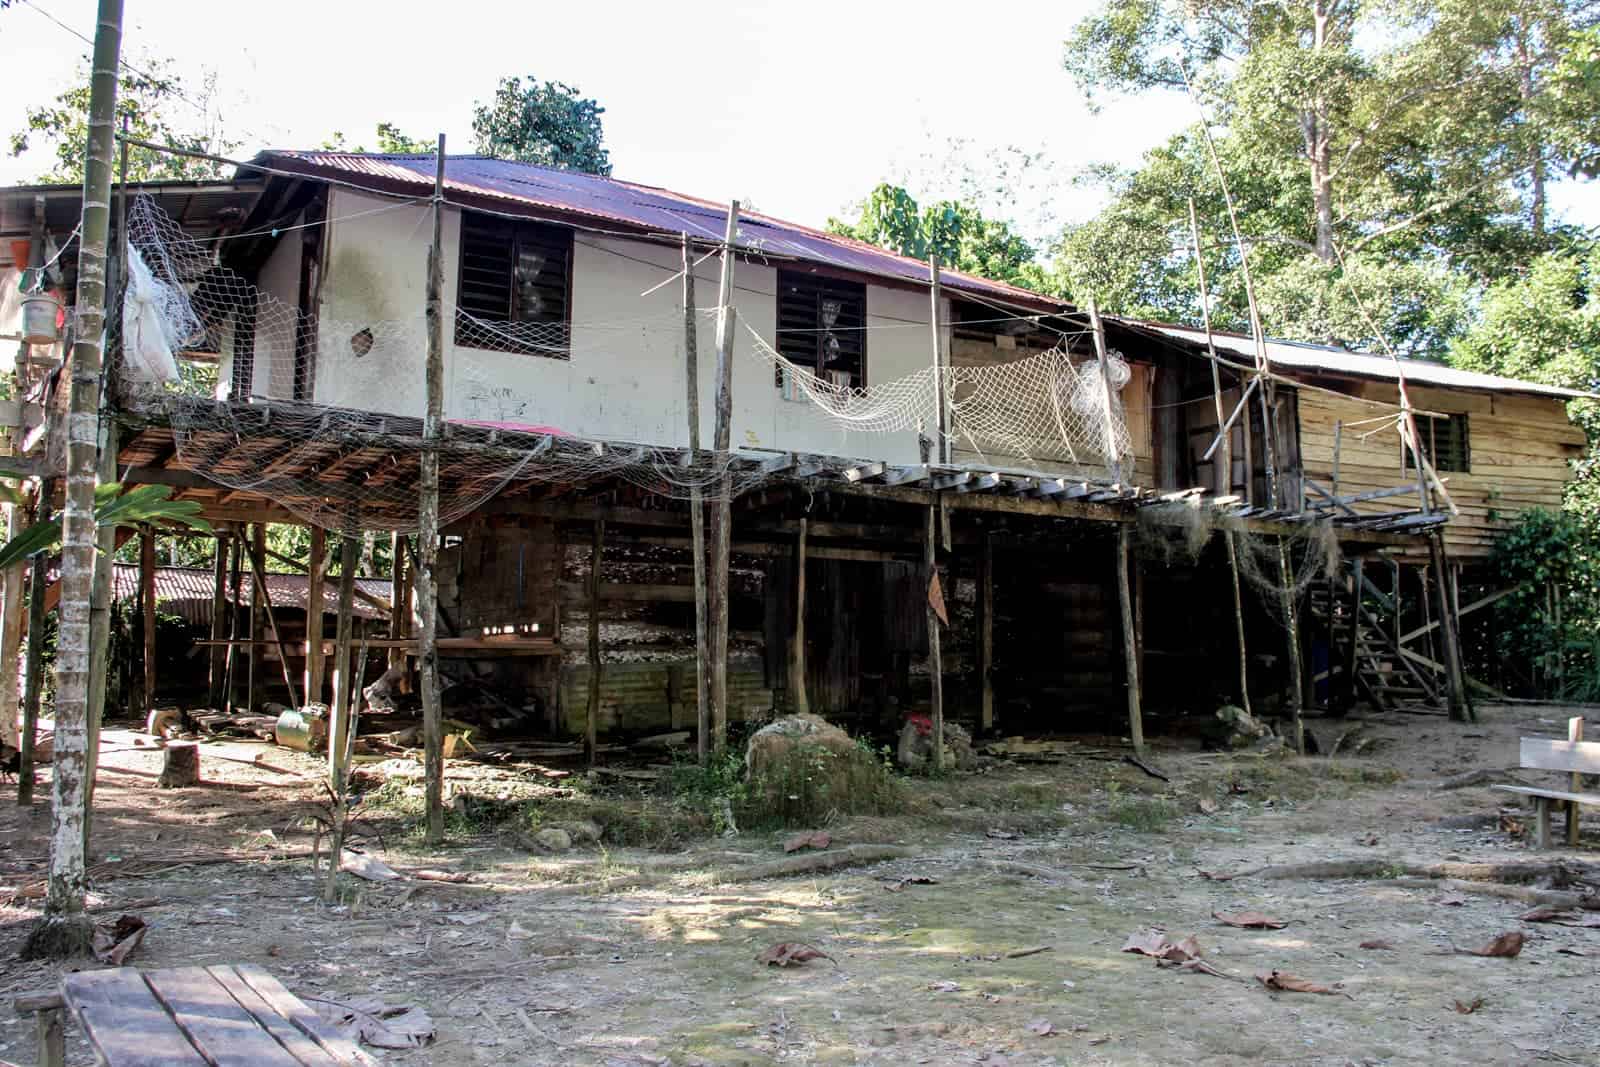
<point x="113" y="507"/>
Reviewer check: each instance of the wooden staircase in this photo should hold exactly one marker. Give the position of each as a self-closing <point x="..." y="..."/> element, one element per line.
<point x="1364" y="650"/>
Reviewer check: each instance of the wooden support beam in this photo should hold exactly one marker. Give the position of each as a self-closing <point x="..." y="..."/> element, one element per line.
<point x="258" y="621"/>
<point x="237" y="564"/>
<point x="147" y="606"/>
<point x="13" y="582"/>
<point x="428" y="521"/>
<point x="697" y="511"/>
<point x="1130" y="642"/>
<point x="592" y="720"/>
<point x="219" y="622"/>
<point x="339" y="717"/>
<point x="982" y="483"/>
<point x="316" y="575"/>
<point x="399" y="599"/>
<point x="798" y="702"/>
<point x="930" y="566"/>
<point x="33" y="671"/>
<point x="258" y="571"/>
<point x="1460" y="708"/>
<point x="721" y="528"/>
<point x="985" y="633"/>
<point x="904" y="475"/>
<point x="866" y="472"/>
<point x="1291" y="621"/>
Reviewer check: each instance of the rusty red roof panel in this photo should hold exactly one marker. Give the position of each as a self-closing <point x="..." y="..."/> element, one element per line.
<point x="186" y="591"/>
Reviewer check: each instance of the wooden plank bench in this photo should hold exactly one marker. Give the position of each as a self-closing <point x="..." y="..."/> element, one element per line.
<point x="189" y="1017"/>
<point x="1576" y="757"/>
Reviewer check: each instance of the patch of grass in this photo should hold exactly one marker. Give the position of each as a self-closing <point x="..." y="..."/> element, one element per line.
<point x="1147" y="815"/>
<point x="808" y="784"/>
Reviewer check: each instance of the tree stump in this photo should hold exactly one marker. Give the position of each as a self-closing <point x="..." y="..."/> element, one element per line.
<point x="180" y="766"/>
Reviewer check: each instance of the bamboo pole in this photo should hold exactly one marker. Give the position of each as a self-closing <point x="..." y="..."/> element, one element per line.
<point x="237" y="564"/>
<point x="65" y="929"/>
<point x="33" y="669"/>
<point x="316" y="576"/>
<point x="940" y="399"/>
<point x="930" y="565"/>
<point x="399" y="617"/>
<point x="591" y="729"/>
<point x="258" y="620"/>
<point x="697" y="513"/>
<point x="1113" y="456"/>
<point x="1130" y="643"/>
<point x="428" y="521"/>
<point x="1223" y="484"/>
<point x="798" y="702"/>
<point x="717" y="593"/>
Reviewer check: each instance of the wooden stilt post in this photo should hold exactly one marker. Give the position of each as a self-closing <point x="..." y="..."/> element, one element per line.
<point x="33" y="669"/>
<point x="428" y="521"/>
<point x="258" y="619"/>
<point x="1449" y="636"/>
<point x="259" y="573"/>
<point x="235" y="605"/>
<point x="339" y="716"/>
<point x="316" y="575"/>
<point x="1224" y="483"/>
<point x="1130" y="640"/>
<point x="941" y="400"/>
<point x="986" y="633"/>
<point x="11" y="635"/>
<point x="147" y="604"/>
<point x="591" y="730"/>
<point x="1352" y="663"/>
<point x="697" y="513"/>
<point x="717" y="593"/>
<point x="930" y="566"/>
<point x="399" y="606"/>
<point x="798" y="702"/>
<point x="1296" y="669"/>
<point x="219" y="623"/>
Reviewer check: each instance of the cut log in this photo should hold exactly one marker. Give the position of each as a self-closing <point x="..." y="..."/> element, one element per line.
<point x="180" y="765"/>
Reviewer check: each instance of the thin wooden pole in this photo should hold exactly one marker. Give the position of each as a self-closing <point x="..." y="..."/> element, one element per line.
<point x="798" y="701"/>
<point x="1112" y="453"/>
<point x="65" y="929"/>
<point x="316" y="576"/>
<point x="1224" y="484"/>
<point x="930" y="565"/>
<point x="1130" y="642"/>
<point x="697" y="514"/>
<point x="147" y="604"/>
<point x="940" y="400"/>
<point x="399" y="616"/>
<point x="986" y="632"/>
<point x="339" y="724"/>
<point x="234" y="605"/>
<point x="428" y="522"/>
<point x="1352" y="663"/>
<point x="259" y="573"/>
<point x="1296" y="671"/>
<point x="258" y="619"/>
<point x="591" y="730"/>
<point x="717" y="593"/>
<point x="33" y="670"/>
<point x="1460" y="710"/>
<point x="219" y="622"/>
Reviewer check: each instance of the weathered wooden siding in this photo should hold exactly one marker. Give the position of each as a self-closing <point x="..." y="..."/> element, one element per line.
<point x="1520" y="452"/>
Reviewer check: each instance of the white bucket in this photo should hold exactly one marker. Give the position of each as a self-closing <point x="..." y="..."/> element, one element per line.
<point x="39" y="311"/>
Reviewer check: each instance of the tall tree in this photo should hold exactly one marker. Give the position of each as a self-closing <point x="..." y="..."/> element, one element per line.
<point x="548" y="123"/>
<point x="156" y="105"/>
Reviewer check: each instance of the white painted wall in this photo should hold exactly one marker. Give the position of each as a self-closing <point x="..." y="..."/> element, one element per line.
<point x="279" y="282"/>
<point x="626" y="378"/>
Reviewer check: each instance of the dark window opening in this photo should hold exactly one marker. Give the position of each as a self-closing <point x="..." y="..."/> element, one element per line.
<point x="514" y="289"/>
<point x="821" y="327"/>
<point x="1444" y="442"/>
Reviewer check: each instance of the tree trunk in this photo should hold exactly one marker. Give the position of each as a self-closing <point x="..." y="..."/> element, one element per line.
<point x="65" y="929"/>
<point x="1319" y="146"/>
<point x="428" y="525"/>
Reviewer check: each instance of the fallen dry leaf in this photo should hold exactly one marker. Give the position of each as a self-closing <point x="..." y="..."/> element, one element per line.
<point x="1041" y="1028"/>
<point x="1543" y="915"/>
<point x="1467" y="1008"/>
<point x="1377" y="943"/>
<point x="1001" y="835"/>
<point x="369" y="1020"/>
<point x="899" y="884"/>
<point x="818" y="839"/>
<point x="787" y="952"/>
<point x="1451" y="902"/>
<point x="945" y="987"/>
<point x="1291" y="983"/>
<point x="1198" y="966"/>
<point x="1248" y="920"/>
<point x="1506" y="945"/>
<point x="115" y="941"/>
<point x="1207" y="806"/>
<point x="1155" y="943"/>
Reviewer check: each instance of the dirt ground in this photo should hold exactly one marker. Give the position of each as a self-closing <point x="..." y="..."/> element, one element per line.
<point x="516" y="967"/>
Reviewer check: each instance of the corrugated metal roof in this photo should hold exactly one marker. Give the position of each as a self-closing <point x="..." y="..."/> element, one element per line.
<point x="611" y="201"/>
<point x="186" y="591"/>
<point x="1295" y="355"/>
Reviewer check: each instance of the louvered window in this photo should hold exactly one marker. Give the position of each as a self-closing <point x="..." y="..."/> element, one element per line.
<point x="820" y="327"/>
<point x="514" y="289"/>
<point x="1444" y="441"/>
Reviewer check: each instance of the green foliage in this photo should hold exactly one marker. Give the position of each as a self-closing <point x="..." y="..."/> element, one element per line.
<point x="113" y="507"/>
<point x="1554" y="558"/>
<point x="1574" y="88"/>
<point x="807" y="785"/>
<point x="546" y="123"/>
<point x="958" y="233"/>
<point x="390" y="141"/>
<point x="156" y="105"/>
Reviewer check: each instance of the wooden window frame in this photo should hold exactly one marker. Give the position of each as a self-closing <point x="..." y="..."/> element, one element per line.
<point x="803" y="346"/>
<point x="515" y="234"/>
<point x="1457" y="461"/>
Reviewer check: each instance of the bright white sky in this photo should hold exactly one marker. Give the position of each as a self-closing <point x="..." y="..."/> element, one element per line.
<point x="797" y="108"/>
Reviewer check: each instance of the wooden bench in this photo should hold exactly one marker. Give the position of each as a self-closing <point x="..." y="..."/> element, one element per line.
<point x="189" y="1017"/>
<point x="1574" y="756"/>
